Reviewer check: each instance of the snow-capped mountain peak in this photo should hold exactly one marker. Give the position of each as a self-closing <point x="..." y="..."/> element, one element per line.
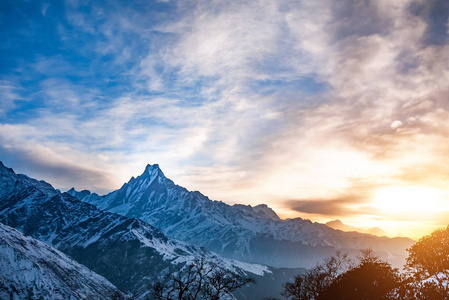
<point x="266" y="211"/>
<point x="153" y="170"/>
<point x="152" y="173"/>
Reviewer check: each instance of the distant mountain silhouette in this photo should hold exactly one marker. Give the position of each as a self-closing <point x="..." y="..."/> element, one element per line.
<point x="339" y="225"/>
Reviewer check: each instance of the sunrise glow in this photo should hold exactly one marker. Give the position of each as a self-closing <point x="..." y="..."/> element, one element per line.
<point x="409" y="199"/>
<point x="320" y="109"/>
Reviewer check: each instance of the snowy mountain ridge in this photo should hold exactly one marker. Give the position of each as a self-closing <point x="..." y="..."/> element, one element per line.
<point x="10" y="182"/>
<point x="253" y="234"/>
<point x="31" y="269"/>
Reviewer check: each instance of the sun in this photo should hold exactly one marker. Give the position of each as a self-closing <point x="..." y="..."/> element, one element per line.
<point x="403" y="200"/>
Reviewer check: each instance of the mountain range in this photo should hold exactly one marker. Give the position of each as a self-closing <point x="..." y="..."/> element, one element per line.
<point x="242" y="232"/>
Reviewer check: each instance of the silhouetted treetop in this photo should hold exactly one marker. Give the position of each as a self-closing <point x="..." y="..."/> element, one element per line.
<point x="429" y="257"/>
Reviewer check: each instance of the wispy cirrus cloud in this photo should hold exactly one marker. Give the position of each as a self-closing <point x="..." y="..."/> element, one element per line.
<point x="8" y="94"/>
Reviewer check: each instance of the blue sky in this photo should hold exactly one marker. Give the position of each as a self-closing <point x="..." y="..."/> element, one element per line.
<point x="317" y="108"/>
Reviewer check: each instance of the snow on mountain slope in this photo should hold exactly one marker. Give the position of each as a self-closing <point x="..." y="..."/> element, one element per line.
<point x="128" y="252"/>
<point x="254" y="234"/>
<point x="11" y="182"/>
<point x="31" y="269"/>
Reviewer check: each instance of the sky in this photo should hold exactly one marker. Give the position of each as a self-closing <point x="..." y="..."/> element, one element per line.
<point x="321" y="109"/>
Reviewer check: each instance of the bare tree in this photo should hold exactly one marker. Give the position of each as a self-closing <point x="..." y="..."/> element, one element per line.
<point x="200" y="280"/>
<point x="222" y="283"/>
<point x="310" y="285"/>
